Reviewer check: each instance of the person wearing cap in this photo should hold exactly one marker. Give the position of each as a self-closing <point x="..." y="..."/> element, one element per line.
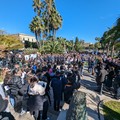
<point x="3" y="114"/>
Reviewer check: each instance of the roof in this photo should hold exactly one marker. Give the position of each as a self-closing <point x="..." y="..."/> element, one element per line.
<point x="24" y="34"/>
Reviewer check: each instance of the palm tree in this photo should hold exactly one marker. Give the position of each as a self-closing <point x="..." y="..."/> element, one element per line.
<point x="62" y="42"/>
<point x="118" y="29"/>
<point x="71" y="43"/>
<point x="56" y="21"/>
<point x="118" y="23"/>
<point x="53" y="47"/>
<point x="37" y="4"/>
<point x="37" y="27"/>
<point x="47" y="7"/>
<point x="68" y="46"/>
<point x="111" y="38"/>
<point x="105" y="43"/>
<point x="47" y="12"/>
<point x="52" y="18"/>
<point x="97" y="45"/>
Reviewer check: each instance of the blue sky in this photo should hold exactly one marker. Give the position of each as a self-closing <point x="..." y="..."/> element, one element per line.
<point x="85" y="19"/>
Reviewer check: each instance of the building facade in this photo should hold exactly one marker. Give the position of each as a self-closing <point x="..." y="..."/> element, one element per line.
<point x="25" y="37"/>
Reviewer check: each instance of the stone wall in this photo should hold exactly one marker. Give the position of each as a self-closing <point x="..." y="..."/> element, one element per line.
<point x="77" y="108"/>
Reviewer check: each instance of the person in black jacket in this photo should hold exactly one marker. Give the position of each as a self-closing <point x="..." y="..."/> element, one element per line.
<point x="69" y="89"/>
<point x="101" y="75"/>
<point x="64" y="82"/>
<point x="56" y="84"/>
<point x="110" y="77"/>
<point x="46" y="75"/>
<point x="116" y="85"/>
<point x="14" y="85"/>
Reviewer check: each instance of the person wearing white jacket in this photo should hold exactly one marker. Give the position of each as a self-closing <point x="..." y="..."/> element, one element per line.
<point x="37" y="102"/>
<point x="37" y="88"/>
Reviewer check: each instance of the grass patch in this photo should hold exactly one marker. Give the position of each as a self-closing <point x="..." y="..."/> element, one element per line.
<point x="111" y="110"/>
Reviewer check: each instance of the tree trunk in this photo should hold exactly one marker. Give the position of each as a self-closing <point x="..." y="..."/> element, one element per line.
<point x="48" y="28"/>
<point x="103" y="50"/>
<point x="54" y="34"/>
<point x="112" y="51"/>
<point x="108" y="50"/>
<point x="43" y="45"/>
<point x="39" y="40"/>
<point x="36" y="39"/>
<point x="64" y="46"/>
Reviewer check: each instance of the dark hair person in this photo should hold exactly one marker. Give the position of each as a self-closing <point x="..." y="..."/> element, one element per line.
<point x="37" y="102"/>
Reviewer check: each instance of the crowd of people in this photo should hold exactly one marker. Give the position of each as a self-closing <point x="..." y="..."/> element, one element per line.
<point x="31" y="80"/>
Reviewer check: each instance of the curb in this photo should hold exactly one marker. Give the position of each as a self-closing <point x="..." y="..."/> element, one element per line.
<point x="100" y="110"/>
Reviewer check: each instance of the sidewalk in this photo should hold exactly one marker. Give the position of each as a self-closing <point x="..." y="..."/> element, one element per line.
<point x="92" y="100"/>
<point x="51" y="114"/>
<point x="92" y="97"/>
<point x="88" y="86"/>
